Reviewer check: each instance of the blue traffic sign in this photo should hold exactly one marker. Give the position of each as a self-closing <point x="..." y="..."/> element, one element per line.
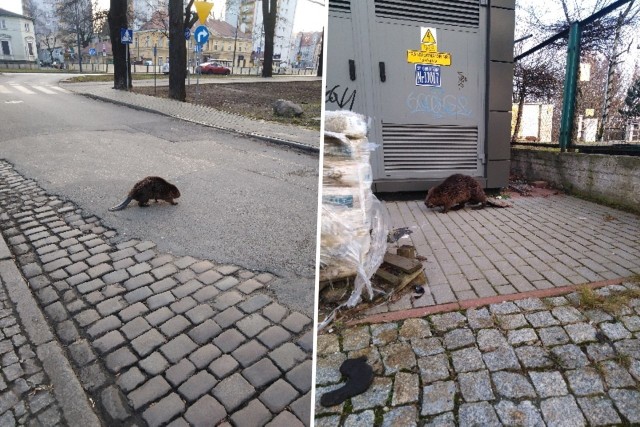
<point x="187" y="33"/>
<point x="427" y="75"/>
<point x="201" y="34"/>
<point x="92" y="52"/>
<point x="126" y="35"/>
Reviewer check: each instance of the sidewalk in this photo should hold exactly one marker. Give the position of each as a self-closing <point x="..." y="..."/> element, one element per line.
<point x="294" y="136"/>
<point x="532" y="362"/>
<point x="153" y="339"/>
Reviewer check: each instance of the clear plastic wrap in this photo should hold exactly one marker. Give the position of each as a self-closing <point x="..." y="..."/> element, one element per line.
<point x="354" y="224"/>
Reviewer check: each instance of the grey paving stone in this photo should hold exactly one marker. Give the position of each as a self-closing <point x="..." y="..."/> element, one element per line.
<point x="531" y="304"/>
<point x="584" y="381"/>
<point x="475" y="386"/>
<point x="558" y="411"/>
<point x="135" y="328"/>
<point x="554" y="335"/>
<point x="627" y="403"/>
<point x="376" y="395"/>
<point x="205" y="331"/>
<point x="150" y="391"/>
<point x="154" y="364"/>
<point x="512" y="385"/>
<point x="296" y="322"/>
<point x="567" y="314"/>
<point x="82" y="353"/>
<point x="160" y="300"/>
<point x="109" y="342"/>
<point x="413" y="329"/>
<point x="356" y="338"/>
<point x="434" y="368"/>
<point x="522" y="414"/>
<point x="467" y="359"/>
<point x="138" y="295"/>
<point x="502" y="358"/>
<point x="629" y="348"/>
<point x="208" y="293"/>
<point x="504" y="308"/>
<point x="233" y="391"/>
<point x="285" y="418"/>
<point x="130" y="379"/>
<point x="249" y="352"/>
<point x="448" y="321"/>
<point x="179" y="372"/>
<point x="255" y="413"/>
<point x="197" y="385"/>
<point x="397" y="356"/>
<point x="274" y="336"/>
<point x="183" y="305"/>
<point x="254" y="303"/>
<point x="229" y="299"/>
<point x="278" y="395"/>
<point x="252" y="325"/>
<point x="204" y="355"/>
<point x="111" y="306"/>
<point x="301" y="407"/>
<point x="163" y="285"/>
<point x="542" y="319"/>
<point x="522" y="336"/>
<point x="274" y="312"/>
<point x="490" y="339"/>
<point x="159" y="316"/>
<point x="477" y="414"/>
<point x="533" y="357"/>
<point x="178" y="348"/>
<point x="581" y="332"/>
<point x="406" y="389"/>
<point x="570" y="356"/>
<point x="262" y="372"/>
<point x="438" y="397"/>
<point x="384" y="334"/>
<point x="250" y="286"/>
<point x="458" y="338"/>
<point x="225" y="365"/>
<point x="138" y="281"/>
<point x="229" y="340"/>
<point x="427" y="347"/>
<point x="615" y="331"/>
<point x="164" y="410"/>
<point x="205" y="412"/>
<point x="445" y="420"/>
<point x="600" y="351"/>
<point x="401" y="416"/>
<point x="225" y="283"/>
<point x="599" y="410"/>
<point x="174" y="326"/>
<point x="615" y="376"/>
<point x="511" y="321"/>
<point x="148" y="342"/>
<point x="287" y="356"/>
<point x="548" y="384"/>
<point x="120" y="359"/>
<point x="228" y="317"/>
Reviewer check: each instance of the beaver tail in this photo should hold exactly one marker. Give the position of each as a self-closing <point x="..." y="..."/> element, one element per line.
<point x="122" y="205"/>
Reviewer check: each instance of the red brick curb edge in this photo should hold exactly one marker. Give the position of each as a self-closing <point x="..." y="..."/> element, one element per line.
<point x="395" y="316"/>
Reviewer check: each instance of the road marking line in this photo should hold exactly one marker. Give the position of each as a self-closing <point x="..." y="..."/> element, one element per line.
<point x="23" y="89"/>
<point x="43" y="89"/>
<point x="58" y="89"/>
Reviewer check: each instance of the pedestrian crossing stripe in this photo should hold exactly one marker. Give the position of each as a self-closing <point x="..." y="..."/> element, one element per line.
<point x="49" y="90"/>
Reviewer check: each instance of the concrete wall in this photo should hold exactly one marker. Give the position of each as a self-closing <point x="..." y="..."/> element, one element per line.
<point x="613" y="180"/>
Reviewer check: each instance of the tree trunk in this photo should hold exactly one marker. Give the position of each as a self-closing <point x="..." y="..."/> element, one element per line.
<point x="117" y="19"/>
<point x="269" y="13"/>
<point x="177" y="52"/>
<point x="321" y="55"/>
<point x="516" y="127"/>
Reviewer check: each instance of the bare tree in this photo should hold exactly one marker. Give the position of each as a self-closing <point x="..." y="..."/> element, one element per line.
<point x="77" y="19"/>
<point x="534" y="80"/>
<point x="117" y="18"/>
<point x="269" y="14"/>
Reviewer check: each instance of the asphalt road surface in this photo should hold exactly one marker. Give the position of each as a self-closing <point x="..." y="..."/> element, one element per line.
<point x="244" y="201"/>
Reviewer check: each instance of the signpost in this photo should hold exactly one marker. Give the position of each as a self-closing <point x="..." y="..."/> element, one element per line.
<point x="126" y="37"/>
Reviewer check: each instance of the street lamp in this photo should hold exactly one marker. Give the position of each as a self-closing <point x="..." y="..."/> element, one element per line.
<point x="235" y="41"/>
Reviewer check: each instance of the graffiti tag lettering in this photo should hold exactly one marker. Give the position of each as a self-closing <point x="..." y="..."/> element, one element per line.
<point x="342" y="98"/>
<point x="438" y="104"/>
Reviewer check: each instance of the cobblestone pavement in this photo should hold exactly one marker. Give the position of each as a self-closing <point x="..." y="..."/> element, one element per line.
<point x="295" y="136"/>
<point x="539" y="243"/>
<point x="155" y="339"/>
<point x="531" y="362"/>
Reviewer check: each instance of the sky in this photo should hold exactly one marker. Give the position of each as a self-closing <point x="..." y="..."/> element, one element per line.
<point x="307" y="17"/>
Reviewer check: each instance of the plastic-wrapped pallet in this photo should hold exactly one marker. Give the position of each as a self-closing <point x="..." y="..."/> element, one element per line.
<point x="354" y="227"/>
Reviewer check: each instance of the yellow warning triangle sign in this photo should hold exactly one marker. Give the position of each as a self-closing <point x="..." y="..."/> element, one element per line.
<point x="203" y="8"/>
<point x="428" y="37"/>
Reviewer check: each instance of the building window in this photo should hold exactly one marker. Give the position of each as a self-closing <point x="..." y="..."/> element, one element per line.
<point x="30" y="47"/>
<point x="27" y="27"/>
<point x="160" y="42"/>
<point x="3" y="24"/>
<point x="6" y="47"/>
<point x="146" y="42"/>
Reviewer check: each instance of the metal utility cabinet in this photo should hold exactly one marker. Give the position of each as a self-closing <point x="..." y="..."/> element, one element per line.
<point x="435" y="77"/>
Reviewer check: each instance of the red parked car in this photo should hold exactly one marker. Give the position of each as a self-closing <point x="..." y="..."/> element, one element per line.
<point x="212" y="68"/>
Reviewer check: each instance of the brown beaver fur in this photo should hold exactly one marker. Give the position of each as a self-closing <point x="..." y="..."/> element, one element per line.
<point x="151" y="187"/>
<point x="454" y="192"/>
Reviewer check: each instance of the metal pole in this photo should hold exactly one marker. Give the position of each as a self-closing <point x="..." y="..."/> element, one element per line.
<point x="570" y="85"/>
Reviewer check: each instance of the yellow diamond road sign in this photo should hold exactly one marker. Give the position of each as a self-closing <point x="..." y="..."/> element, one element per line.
<point x="428" y="37"/>
<point x="203" y="8"/>
<point x="435" y="58"/>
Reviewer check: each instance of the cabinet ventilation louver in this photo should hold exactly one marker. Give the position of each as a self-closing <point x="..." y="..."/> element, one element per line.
<point x="464" y="13"/>
<point x="423" y="148"/>
<point x="340" y="6"/>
